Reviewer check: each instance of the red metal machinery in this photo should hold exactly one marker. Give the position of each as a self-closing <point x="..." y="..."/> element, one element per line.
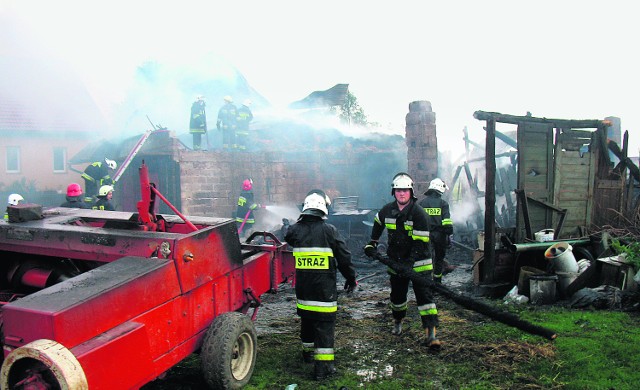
<point x="111" y="300"/>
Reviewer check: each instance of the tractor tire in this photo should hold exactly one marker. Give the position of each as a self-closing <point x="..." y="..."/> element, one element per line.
<point x="42" y="364"/>
<point x="229" y="351"/>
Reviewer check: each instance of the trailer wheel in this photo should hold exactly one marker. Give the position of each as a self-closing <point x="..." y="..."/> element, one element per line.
<point x="229" y="351"/>
<point x="42" y="364"/>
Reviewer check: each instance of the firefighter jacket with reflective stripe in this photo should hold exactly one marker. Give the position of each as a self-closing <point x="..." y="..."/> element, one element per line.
<point x="244" y="117"/>
<point x="438" y="215"/>
<point x="319" y="251"/>
<point x="227" y="116"/>
<point x="408" y="232"/>
<point x="103" y="204"/>
<point x="98" y="173"/>
<point x="245" y="204"/>
<point x="198" y="120"/>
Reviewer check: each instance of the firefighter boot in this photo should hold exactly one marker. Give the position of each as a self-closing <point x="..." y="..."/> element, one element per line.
<point x="432" y="342"/>
<point x="437" y="279"/>
<point x="397" y="328"/>
<point x="323" y="370"/>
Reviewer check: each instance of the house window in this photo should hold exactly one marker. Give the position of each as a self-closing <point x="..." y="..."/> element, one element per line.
<point x="59" y="160"/>
<point x="13" y="159"/>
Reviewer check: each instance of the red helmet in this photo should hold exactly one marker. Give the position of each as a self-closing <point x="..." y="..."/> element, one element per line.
<point x="74" y="189"/>
<point x="247" y="185"/>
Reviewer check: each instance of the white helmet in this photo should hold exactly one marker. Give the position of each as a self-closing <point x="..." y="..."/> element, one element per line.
<point x="246" y="102"/>
<point x="228" y="99"/>
<point x="316" y="203"/>
<point x="438" y="185"/>
<point x="15" y="199"/>
<point x="104" y="190"/>
<point x="112" y="164"/>
<point x="402" y="180"/>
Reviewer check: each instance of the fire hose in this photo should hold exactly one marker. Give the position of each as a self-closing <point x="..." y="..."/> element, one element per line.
<point x="467" y="302"/>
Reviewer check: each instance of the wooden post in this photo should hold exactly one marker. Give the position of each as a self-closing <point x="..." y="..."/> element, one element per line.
<point x="489" y="203"/>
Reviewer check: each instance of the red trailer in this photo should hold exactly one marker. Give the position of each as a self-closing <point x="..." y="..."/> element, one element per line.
<point x="112" y="300"/>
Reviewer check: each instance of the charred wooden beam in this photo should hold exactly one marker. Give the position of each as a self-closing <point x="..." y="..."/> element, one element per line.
<point x="561" y="123"/>
<point x="633" y="168"/>
<point x="490" y="201"/>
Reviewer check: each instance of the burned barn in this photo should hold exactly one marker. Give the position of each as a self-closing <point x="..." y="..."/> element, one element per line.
<point x="566" y="183"/>
<point x="549" y="181"/>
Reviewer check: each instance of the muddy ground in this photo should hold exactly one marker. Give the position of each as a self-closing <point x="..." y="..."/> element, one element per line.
<point x="369" y="305"/>
<point x="370" y="300"/>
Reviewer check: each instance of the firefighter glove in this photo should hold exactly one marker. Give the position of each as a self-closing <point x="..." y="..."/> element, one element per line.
<point x="449" y="241"/>
<point x="371" y="249"/>
<point x="350" y="285"/>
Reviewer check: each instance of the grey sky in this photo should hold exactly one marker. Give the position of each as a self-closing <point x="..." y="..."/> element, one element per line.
<point x="557" y="59"/>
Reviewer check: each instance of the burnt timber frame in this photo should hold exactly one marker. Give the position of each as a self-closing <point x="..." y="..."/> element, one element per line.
<point x="491" y="119"/>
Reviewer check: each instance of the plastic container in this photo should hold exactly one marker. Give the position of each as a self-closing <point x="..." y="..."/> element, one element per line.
<point x="544" y="235"/>
<point x="523" y="280"/>
<point x="542" y="289"/>
<point x="561" y="257"/>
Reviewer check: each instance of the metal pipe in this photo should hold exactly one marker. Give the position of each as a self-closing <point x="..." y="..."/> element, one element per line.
<point x="175" y="210"/>
<point x="532" y="246"/>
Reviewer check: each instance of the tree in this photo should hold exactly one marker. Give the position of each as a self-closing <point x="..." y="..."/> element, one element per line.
<point x="350" y="112"/>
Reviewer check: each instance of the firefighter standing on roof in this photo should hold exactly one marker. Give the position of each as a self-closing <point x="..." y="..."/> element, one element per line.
<point x="408" y="243"/>
<point x="319" y="251"/>
<point x="227" y="119"/>
<point x="244" y="213"/>
<point x="440" y="226"/>
<point x="95" y="176"/>
<point x="198" y="122"/>
<point x="245" y="116"/>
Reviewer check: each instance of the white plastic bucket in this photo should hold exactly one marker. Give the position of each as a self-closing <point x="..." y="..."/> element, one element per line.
<point x="561" y="257"/>
<point x="544" y="235"/>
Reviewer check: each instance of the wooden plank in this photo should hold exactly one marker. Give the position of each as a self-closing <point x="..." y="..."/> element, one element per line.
<point x="561" y="123"/>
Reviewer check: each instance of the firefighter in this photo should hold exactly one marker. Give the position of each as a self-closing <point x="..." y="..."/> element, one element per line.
<point x="245" y="116"/>
<point x="318" y="250"/>
<point x="95" y="176"/>
<point x="74" y="197"/>
<point x="244" y="212"/>
<point x="408" y="243"/>
<point x="104" y="199"/>
<point x="198" y="122"/>
<point x="227" y="117"/>
<point x="13" y="200"/>
<point x="440" y="226"/>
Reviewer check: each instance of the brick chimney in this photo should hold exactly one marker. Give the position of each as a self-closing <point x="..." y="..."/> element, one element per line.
<point x="422" y="145"/>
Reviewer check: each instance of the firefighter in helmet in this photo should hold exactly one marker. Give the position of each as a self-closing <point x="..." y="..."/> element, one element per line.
<point x="74" y="197"/>
<point x="246" y="205"/>
<point x="440" y="226"/>
<point x="245" y="116"/>
<point x="104" y="199"/>
<point x="95" y="176"/>
<point x="13" y="200"/>
<point x="198" y="122"/>
<point x="319" y="251"/>
<point x="408" y="244"/>
<point x="227" y="123"/>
